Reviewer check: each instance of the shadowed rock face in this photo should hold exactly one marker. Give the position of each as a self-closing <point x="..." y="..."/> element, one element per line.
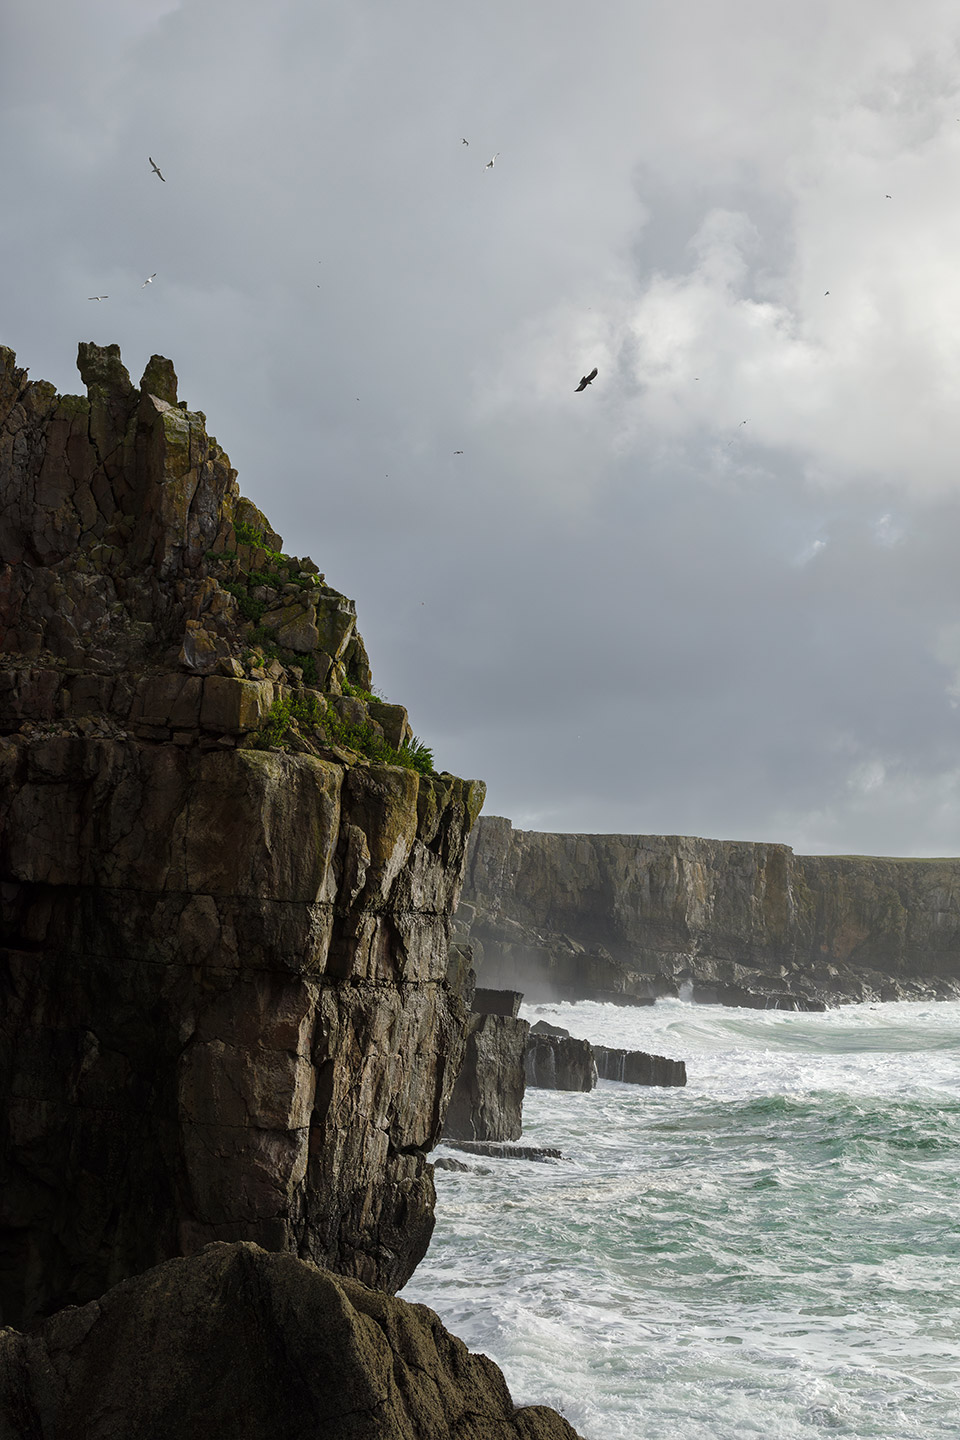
<point x="487" y="1101"/>
<point x="620" y="917"/>
<point x="236" y="1342"/>
<point x="225" y="1012"/>
<point x="559" y="1062"/>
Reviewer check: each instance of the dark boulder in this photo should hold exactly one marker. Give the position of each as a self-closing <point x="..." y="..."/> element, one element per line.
<point x="241" y="1343"/>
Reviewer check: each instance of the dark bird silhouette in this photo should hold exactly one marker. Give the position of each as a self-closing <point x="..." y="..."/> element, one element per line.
<point x="156" y="167"/>
<point x="458" y="452"/>
<point x="490" y="163"/>
<point x="464" y="142"/>
<point x="586" y="380"/>
<point x="98" y="297"/>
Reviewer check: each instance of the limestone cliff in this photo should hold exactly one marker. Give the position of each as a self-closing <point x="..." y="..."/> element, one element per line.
<point x="636" y="916"/>
<point x="226" y="872"/>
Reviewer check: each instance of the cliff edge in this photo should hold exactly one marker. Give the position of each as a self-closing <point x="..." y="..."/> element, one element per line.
<point x="632" y="917"/>
<point x="226" y="871"/>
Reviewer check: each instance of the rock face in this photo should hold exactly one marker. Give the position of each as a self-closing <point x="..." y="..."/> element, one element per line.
<point x="226" y="872"/>
<point x="636" y="1067"/>
<point x="487" y="1100"/>
<point x="633" y="1067"/>
<point x="242" y="1343"/>
<point x="615" y="917"/>
<point x="559" y="1062"/>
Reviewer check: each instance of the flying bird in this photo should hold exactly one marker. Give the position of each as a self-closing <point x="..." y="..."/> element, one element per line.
<point x="149" y="280"/>
<point x="98" y="297"/>
<point x="586" y="380"/>
<point x="464" y="142"/>
<point x="458" y="452"/>
<point x="489" y="164"/>
<point x="156" y="167"/>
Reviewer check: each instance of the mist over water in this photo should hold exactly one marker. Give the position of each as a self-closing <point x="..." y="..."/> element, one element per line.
<point x="773" y="1251"/>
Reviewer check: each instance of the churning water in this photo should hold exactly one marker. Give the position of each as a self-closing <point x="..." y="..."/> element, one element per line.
<point x="773" y="1251"/>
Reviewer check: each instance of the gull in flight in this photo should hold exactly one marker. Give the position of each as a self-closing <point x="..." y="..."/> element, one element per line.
<point x="586" y="380"/>
<point x="489" y="164"/>
<point x="464" y="142"/>
<point x="149" y="280"/>
<point x="156" y="167"/>
<point x="458" y="452"/>
<point x="98" y="297"/>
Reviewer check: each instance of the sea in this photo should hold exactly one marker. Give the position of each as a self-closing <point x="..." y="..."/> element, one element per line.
<point x="772" y="1251"/>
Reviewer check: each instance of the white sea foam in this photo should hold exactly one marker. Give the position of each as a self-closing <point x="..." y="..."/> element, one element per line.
<point x="772" y="1251"/>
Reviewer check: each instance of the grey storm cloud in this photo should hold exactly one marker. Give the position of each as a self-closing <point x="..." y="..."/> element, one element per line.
<point x="625" y="609"/>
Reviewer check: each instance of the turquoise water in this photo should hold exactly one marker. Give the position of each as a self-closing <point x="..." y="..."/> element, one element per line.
<point x="773" y="1251"/>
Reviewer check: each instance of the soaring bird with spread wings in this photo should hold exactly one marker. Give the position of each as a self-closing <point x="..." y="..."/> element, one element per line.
<point x="156" y="167"/>
<point x="586" y="380"/>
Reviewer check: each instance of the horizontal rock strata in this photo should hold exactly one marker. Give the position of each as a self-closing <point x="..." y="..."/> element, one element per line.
<point x="237" y="1342"/>
<point x="226" y="872"/>
<point x="633" y="917"/>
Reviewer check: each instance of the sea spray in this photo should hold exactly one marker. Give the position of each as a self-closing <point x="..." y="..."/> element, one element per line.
<point x="773" y="1250"/>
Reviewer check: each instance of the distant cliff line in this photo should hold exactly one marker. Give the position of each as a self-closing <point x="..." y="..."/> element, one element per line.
<point x="634" y="917"/>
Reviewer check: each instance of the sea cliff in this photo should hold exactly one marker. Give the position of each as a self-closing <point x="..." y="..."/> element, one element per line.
<point x="226" y="872"/>
<point x="633" y="917"/>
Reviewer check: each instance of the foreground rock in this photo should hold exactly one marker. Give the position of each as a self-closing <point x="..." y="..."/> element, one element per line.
<point x="633" y="917"/>
<point x="236" y="1342"/>
<point x="226" y="872"/>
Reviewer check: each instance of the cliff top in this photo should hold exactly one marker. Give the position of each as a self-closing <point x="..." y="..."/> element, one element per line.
<point x="129" y="553"/>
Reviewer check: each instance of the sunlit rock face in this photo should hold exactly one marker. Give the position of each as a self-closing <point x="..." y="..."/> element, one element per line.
<point x="632" y="917"/>
<point x="226" y="872"/>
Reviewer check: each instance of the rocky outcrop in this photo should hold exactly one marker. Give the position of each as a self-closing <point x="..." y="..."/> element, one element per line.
<point x="487" y="1100"/>
<point x="636" y="1067"/>
<point x="242" y="1343"/>
<point x="559" y="1062"/>
<point x="226" y="872"/>
<point x="620" y="917"/>
<point x="633" y="1067"/>
<point x="497" y="1002"/>
<point x="500" y="1151"/>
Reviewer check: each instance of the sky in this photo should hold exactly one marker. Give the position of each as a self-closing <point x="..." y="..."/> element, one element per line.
<point x="714" y="593"/>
